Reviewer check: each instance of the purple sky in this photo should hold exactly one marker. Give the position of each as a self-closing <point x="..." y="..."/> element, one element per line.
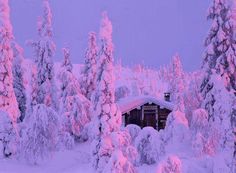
<point x="148" y="31"/>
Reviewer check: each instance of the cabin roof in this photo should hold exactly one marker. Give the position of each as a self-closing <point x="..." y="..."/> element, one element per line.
<point x="129" y="103"/>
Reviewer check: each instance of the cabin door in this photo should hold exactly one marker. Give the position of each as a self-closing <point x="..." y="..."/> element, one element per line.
<point x="150" y="120"/>
<point x="150" y="114"/>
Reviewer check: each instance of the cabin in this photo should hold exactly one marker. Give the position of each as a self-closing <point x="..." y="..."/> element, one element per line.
<point x="145" y="111"/>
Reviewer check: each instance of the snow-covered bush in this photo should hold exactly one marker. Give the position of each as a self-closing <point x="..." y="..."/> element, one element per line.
<point x="8" y="136"/>
<point x="146" y="145"/>
<point x="177" y="130"/>
<point x="119" y="164"/>
<point x="213" y="137"/>
<point x="205" y="135"/>
<point x="76" y="115"/>
<point x="41" y="135"/>
<point x="121" y="92"/>
<point x="170" y="165"/>
<point x="199" y="129"/>
<point x="65" y="141"/>
<point x="122" y="140"/>
<point x="198" y="144"/>
<point x="133" y="130"/>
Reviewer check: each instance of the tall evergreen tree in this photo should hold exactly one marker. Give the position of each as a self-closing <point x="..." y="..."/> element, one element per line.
<point x="219" y="83"/>
<point x="107" y="118"/>
<point x="18" y="79"/>
<point x="44" y="52"/>
<point x="90" y="69"/>
<point x="8" y="101"/>
<point x="177" y="82"/>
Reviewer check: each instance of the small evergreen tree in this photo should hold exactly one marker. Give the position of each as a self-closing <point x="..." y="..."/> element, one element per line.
<point x="177" y="82"/>
<point x="41" y="135"/>
<point x="74" y="106"/>
<point x="67" y="65"/>
<point x="90" y="69"/>
<point x="18" y="79"/>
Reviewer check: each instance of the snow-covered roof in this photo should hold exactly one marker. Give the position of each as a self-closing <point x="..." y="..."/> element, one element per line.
<point x="130" y="103"/>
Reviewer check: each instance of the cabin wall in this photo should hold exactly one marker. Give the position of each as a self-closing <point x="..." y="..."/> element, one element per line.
<point x="134" y="117"/>
<point x="148" y="115"/>
<point x="162" y="117"/>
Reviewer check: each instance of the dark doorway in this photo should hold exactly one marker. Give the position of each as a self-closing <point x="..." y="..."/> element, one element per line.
<point x="150" y="120"/>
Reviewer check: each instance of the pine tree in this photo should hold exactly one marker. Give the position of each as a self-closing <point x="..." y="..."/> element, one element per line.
<point x="107" y="118"/>
<point x="44" y="51"/>
<point x="177" y="82"/>
<point x="18" y="79"/>
<point x="219" y="65"/>
<point x="74" y="106"/>
<point x="8" y="101"/>
<point x="90" y="69"/>
<point x="67" y="65"/>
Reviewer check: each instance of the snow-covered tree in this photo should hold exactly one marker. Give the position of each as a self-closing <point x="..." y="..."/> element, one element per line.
<point x="107" y="118"/>
<point x="90" y="68"/>
<point x="121" y="92"/>
<point x="8" y="136"/>
<point x="8" y="100"/>
<point x="18" y="79"/>
<point x="177" y="82"/>
<point x="172" y="164"/>
<point x="67" y="65"/>
<point x="44" y="51"/>
<point x="41" y="135"/>
<point x="192" y="96"/>
<point x="219" y="65"/>
<point x="74" y="106"/>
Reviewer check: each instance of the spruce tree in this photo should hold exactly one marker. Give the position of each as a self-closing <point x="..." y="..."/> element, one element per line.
<point x="107" y="118"/>
<point x="44" y="51"/>
<point x="18" y="79"/>
<point x="8" y="101"/>
<point x="90" y="68"/>
<point x="177" y="82"/>
<point x="218" y="87"/>
<point x="74" y="106"/>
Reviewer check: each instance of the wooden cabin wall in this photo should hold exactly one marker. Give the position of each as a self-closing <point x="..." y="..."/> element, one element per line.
<point x="135" y="117"/>
<point x="162" y="117"/>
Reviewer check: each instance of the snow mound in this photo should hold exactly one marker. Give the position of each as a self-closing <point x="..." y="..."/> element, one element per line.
<point x="171" y="165"/>
<point x="133" y="130"/>
<point x="146" y="143"/>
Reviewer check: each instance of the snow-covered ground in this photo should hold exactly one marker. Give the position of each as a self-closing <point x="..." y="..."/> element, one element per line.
<point x="74" y="161"/>
<point x="78" y="161"/>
